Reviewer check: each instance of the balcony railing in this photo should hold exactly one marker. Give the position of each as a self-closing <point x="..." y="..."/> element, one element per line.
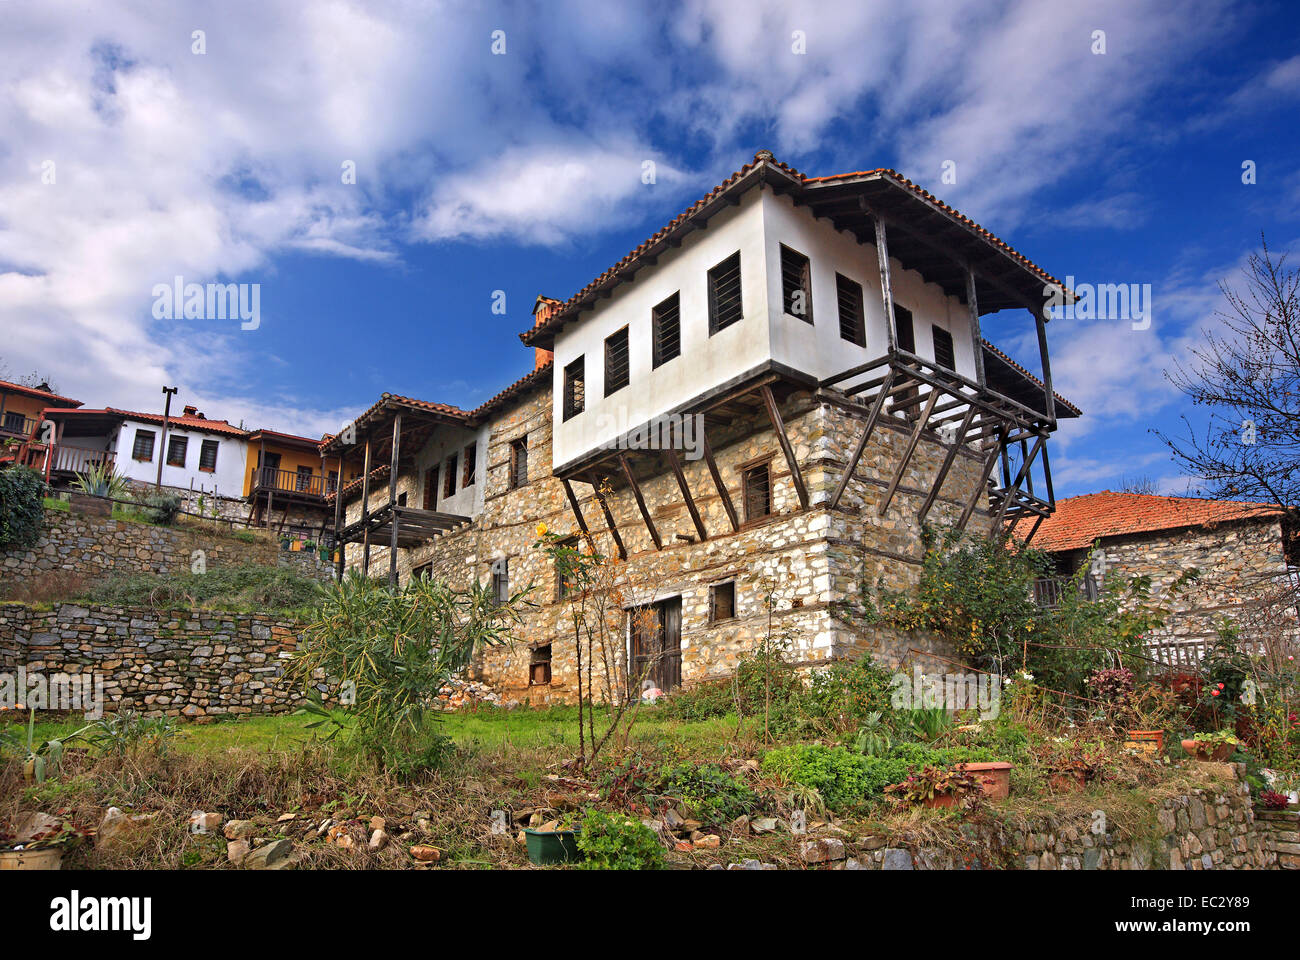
<point x="289" y="481"/>
<point x="1049" y="591"/>
<point x="16" y="425"/>
<point x="69" y="458"/>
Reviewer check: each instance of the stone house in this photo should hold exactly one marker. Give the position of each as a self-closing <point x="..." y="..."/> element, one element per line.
<point x="764" y="400"/>
<point x="1247" y="555"/>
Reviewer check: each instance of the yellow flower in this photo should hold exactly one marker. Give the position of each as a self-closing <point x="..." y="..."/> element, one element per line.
<point x="541" y="529"/>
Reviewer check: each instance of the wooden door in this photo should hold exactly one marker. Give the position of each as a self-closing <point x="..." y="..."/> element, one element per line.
<point x="656" y="646"/>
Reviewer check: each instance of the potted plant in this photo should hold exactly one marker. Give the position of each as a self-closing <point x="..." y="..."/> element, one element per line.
<point x="552" y="842"/>
<point x="994" y="777"/>
<point x="938" y="787"/>
<point x="1072" y="765"/>
<point x="39" y="845"/>
<point x="1216" y="746"/>
<point x="1146" y="741"/>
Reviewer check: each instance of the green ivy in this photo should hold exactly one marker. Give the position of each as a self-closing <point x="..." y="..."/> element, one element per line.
<point x="613" y="841"/>
<point x="22" y="507"/>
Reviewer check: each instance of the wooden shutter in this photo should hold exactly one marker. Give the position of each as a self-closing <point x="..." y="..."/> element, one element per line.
<point x="853" y="327"/>
<point x="575" y="390"/>
<point x="796" y="284"/>
<point x="666" y="332"/>
<point x="944" y="354"/>
<point x="616" y="362"/>
<point x="725" y="304"/>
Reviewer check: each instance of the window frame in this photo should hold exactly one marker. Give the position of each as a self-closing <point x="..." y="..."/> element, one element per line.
<point x="204" y="446"/>
<point x="658" y="314"/>
<point x="470" y="469"/>
<point x="612" y="383"/>
<point x="449" y="477"/>
<point x="574" y="401"/>
<point x="804" y="268"/>
<point x="717" y="322"/>
<point x="751" y="469"/>
<point x="184" y="450"/>
<point x="518" y="456"/>
<point x="714" y="588"/>
<point x="938" y="333"/>
<point x="857" y="322"/>
<point x="152" y="435"/>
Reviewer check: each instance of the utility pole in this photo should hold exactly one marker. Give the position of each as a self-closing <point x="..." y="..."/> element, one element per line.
<point x="162" y="453"/>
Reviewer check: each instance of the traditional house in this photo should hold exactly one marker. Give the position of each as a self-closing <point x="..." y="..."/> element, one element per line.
<point x="287" y="483"/>
<point x="186" y="451"/>
<point x="753" y="412"/>
<point x="21" y="407"/>
<point x="1247" y="555"/>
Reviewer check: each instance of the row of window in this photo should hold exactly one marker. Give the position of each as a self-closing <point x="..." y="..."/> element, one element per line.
<point x="177" y="448"/>
<point x="726" y="307"/>
<point x="468" y="460"/>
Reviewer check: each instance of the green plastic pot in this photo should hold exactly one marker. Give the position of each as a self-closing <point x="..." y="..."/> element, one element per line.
<point x="552" y="846"/>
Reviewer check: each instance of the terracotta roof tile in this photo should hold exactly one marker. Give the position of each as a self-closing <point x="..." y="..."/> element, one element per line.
<point x="1038" y="383"/>
<point x="1078" y="521"/>
<point x="46" y="395"/>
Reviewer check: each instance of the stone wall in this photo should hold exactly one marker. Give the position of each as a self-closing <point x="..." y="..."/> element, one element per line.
<point x="1210" y="828"/>
<point x="817" y="557"/>
<point x="191" y="663"/>
<point x="1281" y="829"/>
<point x="93" y="547"/>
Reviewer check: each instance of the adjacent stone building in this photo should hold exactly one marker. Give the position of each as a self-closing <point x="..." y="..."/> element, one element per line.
<point x="1247" y="556"/>
<point x="751" y="415"/>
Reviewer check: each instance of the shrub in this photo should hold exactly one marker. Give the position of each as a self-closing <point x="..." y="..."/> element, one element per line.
<point x="707" y="792"/>
<point x="22" y="507"/>
<point x="611" y="841"/>
<point x="158" y="507"/>
<point x="844" y="778"/>
<point x="848" y="692"/>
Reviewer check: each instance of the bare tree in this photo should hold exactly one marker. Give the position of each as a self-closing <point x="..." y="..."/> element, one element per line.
<point x="1142" y="484"/>
<point x="35" y="379"/>
<point x="1248" y="377"/>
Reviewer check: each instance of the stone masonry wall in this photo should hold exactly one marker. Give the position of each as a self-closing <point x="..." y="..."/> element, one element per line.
<point x="191" y="663"/>
<point x="817" y="557"/>
<point x="94" y="547"/>
<point x="1210" y="828"/>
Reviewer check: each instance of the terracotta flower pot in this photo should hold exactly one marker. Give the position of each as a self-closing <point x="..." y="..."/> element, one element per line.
<point x="941" y="800"/>
<point x="994" y="778"/>
<point x="1146" y="741"/>
<point x="1209" y="752"/>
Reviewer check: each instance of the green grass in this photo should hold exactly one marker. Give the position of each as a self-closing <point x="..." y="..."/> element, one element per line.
<point x="486" y="729"/>
<point x="54" y="503"/>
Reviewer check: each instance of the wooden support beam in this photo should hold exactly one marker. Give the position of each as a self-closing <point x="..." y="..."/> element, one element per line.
<point x="957" y="440"/>
<point x="886" y="287"/>
<point x="1034" y="529"/>
<point x="717" y="482"/>
<point x="1010" y="491"/>
<point x="778" y="425"/>
<point x="977" y="339"/>
<point x="609" y="517"/>
<point x="640" y="501"/>
<point x="980" y="487"/>
<point x="877" y="405"/>
<point x="577" y="510"/>
<point x="392" y="498"/>
<point x="1049" y="396"/>
<point x="338" y="520"/>
<point x="675" y="462"/>
<point x="910" y="449"/>
<point x="365" y="512"/>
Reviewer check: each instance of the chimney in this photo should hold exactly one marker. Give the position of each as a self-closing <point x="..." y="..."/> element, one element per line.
<point x="543" y="309"/>
<point x="189" y="411"/>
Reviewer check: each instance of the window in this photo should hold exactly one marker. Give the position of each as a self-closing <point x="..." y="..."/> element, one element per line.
<point x="574" y="388"/>
<point x="722" y="601"/>
<point x="471" y="461"/>
<point x="176" y="447"/>
<point x="14" y="422"/>
<point x="758" y="492"/>
<point x="449" y="477"/>
<point x="725" y="307"/>
<point x="333" y="482"/>
<point x="853" y="326"/>
<point x="143" y="447"/>
<point x="303" y="479"/>
<point x="616" y="373"/>
<point x="423" y="572"/>
<point x="944" y="355"/>
<point x="431" y="488"/>
<point x="562" y="586"/>
<point x="666" y="330"/>
<point x="903" y="326"/>
<point x="796" y="284"/>
<point x="401" y="499"/>
<point x="208" y="456"/>
<point x="519" y="463"/>
<point x="539" y="666"/>
<point x="501" y="580"/>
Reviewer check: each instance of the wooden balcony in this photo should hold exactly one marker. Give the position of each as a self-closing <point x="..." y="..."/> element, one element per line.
<point x="17" y="425"/>
<point x="296" y="485"/>
<point x="69" y="459"/>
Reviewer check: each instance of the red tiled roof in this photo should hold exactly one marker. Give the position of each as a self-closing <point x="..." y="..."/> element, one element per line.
<point x="516" y="388"/>
<point x="1078" y="521"/>
<point x="46" y="395"/>
<point x="190" y="423"/>
<point x="354" y="486"/>
<point x="555" y="317"/>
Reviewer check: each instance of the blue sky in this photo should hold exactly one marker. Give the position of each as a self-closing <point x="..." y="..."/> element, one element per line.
<point x="521" y="171"/>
